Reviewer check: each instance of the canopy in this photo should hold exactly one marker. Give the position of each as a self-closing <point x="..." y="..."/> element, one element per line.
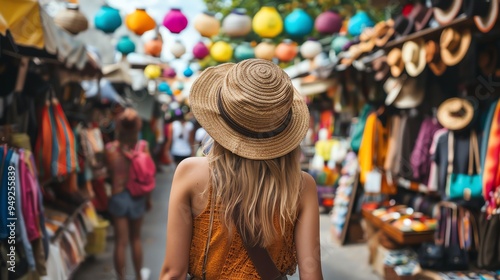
<point x="22" y="19"/>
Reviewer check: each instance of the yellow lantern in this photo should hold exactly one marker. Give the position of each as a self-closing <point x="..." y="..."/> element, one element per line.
<point x="267" y="22"/>
<point x="152" y="71"/>
<point x="221" y="51"/>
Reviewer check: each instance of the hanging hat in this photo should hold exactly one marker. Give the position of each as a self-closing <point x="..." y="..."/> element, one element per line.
<point x="485" y="13"/>
<point x="384" y="32"/>
<point x="421" y="15"/>
<point x="367" y="40"/>
<point x="352" y="54"/>
<point x="455" y="113"/>
<point x="488" y="59"/>
<point x="395" y="61"/>
<point x="403" y="26"/>
<point x="250" y="108"/>
<point x="381" y="68"/>
<point x="392" y="88"/>
<point x="433" y="58"/>
<point x="446" y="10"/>
<point x="454" y="45"/>
<point x="411" y="94"/>
<point x="413" y="54"/>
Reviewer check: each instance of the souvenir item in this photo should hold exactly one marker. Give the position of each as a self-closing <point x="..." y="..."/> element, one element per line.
<point x="413" y="54"/>
<point x="433" y="58"/>
<point x="454" y="45"/>
<point x="485" y="13"/>
<point x="446" y="10"/>
<point x="395" y="61"/>
<point x="455" y="113"/>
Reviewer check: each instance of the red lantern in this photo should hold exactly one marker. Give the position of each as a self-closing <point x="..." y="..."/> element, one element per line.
<point x="286" y="51"/>
<point x="200" y="50"/>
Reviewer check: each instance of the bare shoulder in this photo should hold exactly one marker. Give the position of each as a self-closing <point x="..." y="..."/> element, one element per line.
<point x="192" y="173"/>
<point x="308" y="183"/>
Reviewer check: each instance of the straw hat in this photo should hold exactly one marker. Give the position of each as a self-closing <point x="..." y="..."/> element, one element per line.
<point x="412" y="94"/>
<point x="485" y="13"/>
<point x="367" y="40"/>
<point x="454" y="45"/>
<point x="455" y="113"/>
<point x="446" y="10"/>
<point x="392" y="88"/>
<point x="384" y="31"/>
<point x="403" y="26"/>
<point x="381" y="68"/>
<point x="433" y="58"/>
<point x="413" y="54"/>
<point x="353" y="53"/>
<point x="395" y="61"/>
<point x="250" y="108"/>
<point x="488" y="59"/>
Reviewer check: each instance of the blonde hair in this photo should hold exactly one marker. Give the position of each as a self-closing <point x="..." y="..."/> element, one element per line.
<point x="252" y="193"/>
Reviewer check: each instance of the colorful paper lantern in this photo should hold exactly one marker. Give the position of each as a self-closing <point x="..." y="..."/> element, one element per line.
<point x="152" y="71"/>
<point x="177" y="49"/>
<point x="338" y="43"/>
<point x="107" y="19"/>
<point x="310" y="49"/>
<point x="153" y="47"/>
<point x="207" y="24"/>
<point x="200" y="50"/>
<point x="286" y="51"/>
<point x="298" y="23"/>
<point x="177" y="92"/>
<point x="267" y="22"/>
<point x="125" y="45"/>
<point x="188" y="72"/>
<point x="175" y="21"/>
<point x="139" y="22"/>
<point x="237" y="23"/>
<point x="265" y="50"/>
<point x="163" y="87"/>
<point x="169" y="73"/>
<point x="328" y="22"/>
<point x="221" y="51"/>
<point x="358" y="23"/>
<point x="244" y="51"/>
<point x="71" y="19"/>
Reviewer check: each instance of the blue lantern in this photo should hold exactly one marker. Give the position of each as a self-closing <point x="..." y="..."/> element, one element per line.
<point x="244" y="51"/>
<point x="298" y="23"/>
<point x="164" y="87"/>
<point x="107" y="19"/>
<point x="125" y="45"/>
<point x="358" y="22"/>
<point x="188" y="72"/>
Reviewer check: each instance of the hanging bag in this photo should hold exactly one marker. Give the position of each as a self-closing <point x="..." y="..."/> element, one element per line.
<point x="464" y="186"/>
<point x="489" y="242"/>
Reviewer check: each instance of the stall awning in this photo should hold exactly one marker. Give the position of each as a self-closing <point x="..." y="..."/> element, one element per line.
<point x="22" y="19"/>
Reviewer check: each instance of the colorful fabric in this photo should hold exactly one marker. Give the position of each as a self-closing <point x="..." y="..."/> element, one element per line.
<point x="486" y="123"/>
<point x="29" y="196"/>
<point x="358" y="130"/>
<point x="373" y="149"/>
<point x="433" y="173"/>
<point x="491" y="175"/>
<point x="421" y="157"/>
<point x="5" y="163"/>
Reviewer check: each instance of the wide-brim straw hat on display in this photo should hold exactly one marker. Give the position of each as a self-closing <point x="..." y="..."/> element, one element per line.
<point x="392" y="88"/>
<point x="455" y="113"/>
<point x="367" y="40"/>
<point x="413" y="53"/>
<point x="250" y="108"/>
<point x="353" y="53"/>
<point x="485" y="13"/>
<point x="412" y="94"/>
<point x="384" y="32"/>
<point x="403" y="26"/>
<point x="421" y="15"/>
<point x="381" y="68"/>
<point x="454" y="45"/>
<point x="433" y="58"/>
<point x="445" y="11"/>
<point x="487" y="60"/>
<point x="395" y="61"/>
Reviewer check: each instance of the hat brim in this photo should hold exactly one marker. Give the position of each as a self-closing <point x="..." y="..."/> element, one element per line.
<point x="392" y="91"/>
<point x="446" y="16"/>
<point x="411" y="68"/>
<point x="438" y="68"/>
<point x="411" y="94"/>
<point x="204" y="104"/>
<point x="397" y="70"/>
<point x="452" y="59"/>
<point x="485" y="24"/>
<point x="452" y="122"/>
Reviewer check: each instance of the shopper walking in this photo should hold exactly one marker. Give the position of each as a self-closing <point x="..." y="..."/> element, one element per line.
<point x="245" y="211"/>
<point x="126" y="210"/>
<point x="181" y="142"/>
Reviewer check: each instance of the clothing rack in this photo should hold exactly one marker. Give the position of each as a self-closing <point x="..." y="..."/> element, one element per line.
<point x="68" y="221"/>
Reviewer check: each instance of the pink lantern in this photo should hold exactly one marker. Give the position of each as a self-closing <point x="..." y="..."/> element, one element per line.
<point x="200" y="50"/>
<point x="169" y="73"/>
<point x="175" y="21"/>
<point x="328" y="22"/>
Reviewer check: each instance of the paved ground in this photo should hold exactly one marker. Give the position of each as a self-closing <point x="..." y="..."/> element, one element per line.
<point x="348" y="262"/>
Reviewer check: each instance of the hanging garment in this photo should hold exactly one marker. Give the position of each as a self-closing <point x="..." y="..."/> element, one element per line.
<point x="485" y="128"/>
<point x="491" y="173"/>
<point x="432" y="184"/>
<point x="413" y="121"/>
<point x="421" y="157"/>
<point x="29" y="197"/>
<point x="6" y="156"/>
<point x="393" y="143"/>
<point x="373" y="149"/>
<point x="359" y="128"/>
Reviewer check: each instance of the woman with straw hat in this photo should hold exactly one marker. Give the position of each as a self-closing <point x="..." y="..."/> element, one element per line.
<point x="245" y="211"/>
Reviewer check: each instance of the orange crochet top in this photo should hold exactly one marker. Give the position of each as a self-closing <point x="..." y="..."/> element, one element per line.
<point x="227" y="256"/>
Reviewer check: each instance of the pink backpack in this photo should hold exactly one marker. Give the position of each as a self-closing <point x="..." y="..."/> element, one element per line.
<point x="142" y="171"/>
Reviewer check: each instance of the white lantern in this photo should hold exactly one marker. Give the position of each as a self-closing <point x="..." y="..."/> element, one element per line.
<point x="310" y="49"/>
<point x="177" y="49"/>
<point x="237" y="23"/>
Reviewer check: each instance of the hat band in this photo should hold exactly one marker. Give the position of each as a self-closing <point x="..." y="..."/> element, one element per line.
<point x="250" y="133"/>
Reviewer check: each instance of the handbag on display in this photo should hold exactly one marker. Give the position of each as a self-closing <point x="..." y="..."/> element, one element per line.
<point x="464" y="186"/>
<point x="489" y="242"/>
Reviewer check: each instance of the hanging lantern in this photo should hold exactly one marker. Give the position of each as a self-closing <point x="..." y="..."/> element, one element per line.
<point x="163" y="87"/>
<point x="310" y="49"/>
<point x="188" y="72"/>
<point x="177" y="49"/>
<point x="298" y="23"/>
<point x="338" y="43"/>
<point x="125" y="45"/>
<point x="169" y="73"/>
<point x="265" y="50"/>
<point x="207" y="24"/>
<point x="244" y="51"/>
<point x="358" y="23"/>
<point x="200" y="50"/>
<point x="178" y="85"/>
<point x="286" y="51"/>
<point x="139" y="22"/>
<point x="153" y="47"/>
<point x="177" y="92"/>
<point x="267" y="22"/>
<point x="221" y="51"/>
<point x="175" y="21"/>
<point x="237" y="23"/>
<point x="107" y="19"/>
<point x="71" y="19"/>
<point x="152" y="71"/>
<point x="328" y="22"/>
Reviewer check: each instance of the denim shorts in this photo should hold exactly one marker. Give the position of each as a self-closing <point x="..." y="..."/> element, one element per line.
<point x="124" y="205"/>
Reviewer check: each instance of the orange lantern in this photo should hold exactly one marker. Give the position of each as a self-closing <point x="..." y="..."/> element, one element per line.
<point x="153" y="47"/>
<point x="207" y="24"/>
<point x="265" y="50"/>
<point x="140" y="22"/>
<point x="286" y="51"/>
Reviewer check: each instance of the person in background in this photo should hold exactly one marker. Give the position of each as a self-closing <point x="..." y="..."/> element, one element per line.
<point x="127" y="211"/>
<point x="181" y="140"/>
<point x="249" y="190"/>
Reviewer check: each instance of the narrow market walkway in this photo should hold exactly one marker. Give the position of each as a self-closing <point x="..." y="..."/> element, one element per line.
<point x="349" y="262"/>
